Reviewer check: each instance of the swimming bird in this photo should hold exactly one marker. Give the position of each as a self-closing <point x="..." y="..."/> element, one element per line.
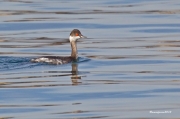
<point x="74" y="36"/>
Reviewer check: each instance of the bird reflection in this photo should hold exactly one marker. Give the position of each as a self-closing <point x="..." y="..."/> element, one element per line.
<point x="75" y="78"/>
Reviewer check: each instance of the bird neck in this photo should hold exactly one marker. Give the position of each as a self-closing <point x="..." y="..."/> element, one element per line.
<point x="74" y="53"/>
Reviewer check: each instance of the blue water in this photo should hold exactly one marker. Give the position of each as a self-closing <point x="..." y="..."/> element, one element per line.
<point x="128" y="66"/>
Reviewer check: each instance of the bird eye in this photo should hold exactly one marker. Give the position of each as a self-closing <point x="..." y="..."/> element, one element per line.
<point x="77" y="34"/>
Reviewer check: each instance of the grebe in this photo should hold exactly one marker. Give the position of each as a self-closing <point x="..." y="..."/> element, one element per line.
<point x="74" y="36"/>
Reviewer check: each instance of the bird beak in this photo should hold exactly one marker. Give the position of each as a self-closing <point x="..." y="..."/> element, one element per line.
<point x="83" y="36"/>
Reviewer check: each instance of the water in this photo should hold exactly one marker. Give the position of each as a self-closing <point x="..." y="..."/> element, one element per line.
<point x="128" y="68"/>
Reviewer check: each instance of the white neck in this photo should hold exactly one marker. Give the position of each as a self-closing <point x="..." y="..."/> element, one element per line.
<point x="73" y="38"/>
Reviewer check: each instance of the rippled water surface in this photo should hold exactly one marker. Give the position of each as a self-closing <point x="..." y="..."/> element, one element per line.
<point x="129" y="66"/>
